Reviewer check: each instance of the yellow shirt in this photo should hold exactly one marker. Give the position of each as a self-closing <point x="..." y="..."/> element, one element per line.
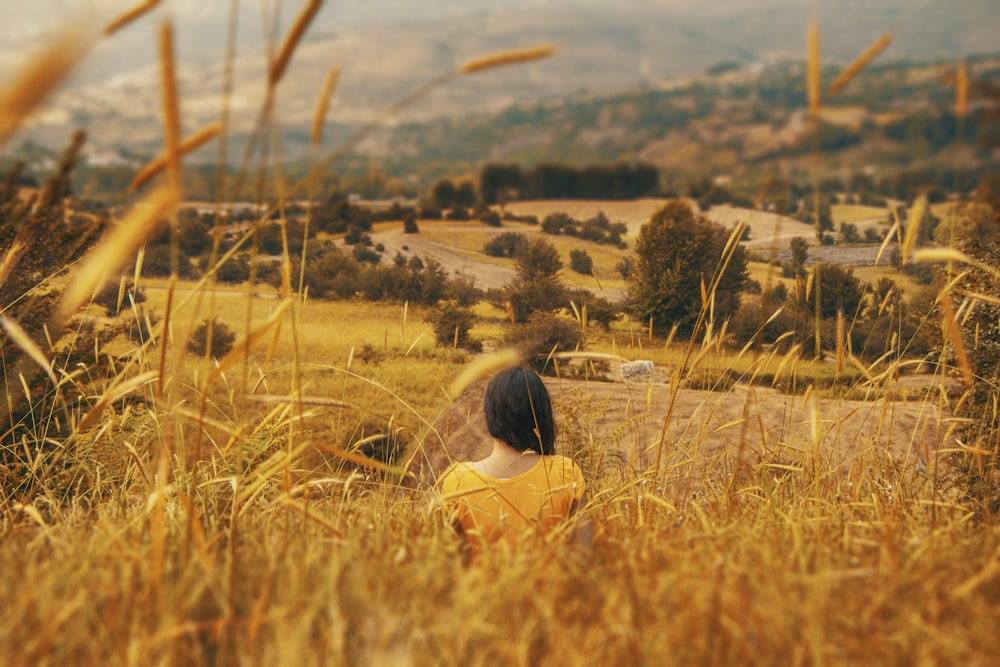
<point x="489" y="508"/>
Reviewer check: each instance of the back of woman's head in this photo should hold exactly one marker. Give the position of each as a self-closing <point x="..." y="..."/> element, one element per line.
<point x="519" y="412"/>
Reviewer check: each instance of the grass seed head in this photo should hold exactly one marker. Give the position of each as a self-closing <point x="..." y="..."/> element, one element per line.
<point x="129" y="16"/>
<point x="869" y="54"/>
<point x="29" y="87"/>
<point x="504" y="58"/>
<point x="292" y="40"/>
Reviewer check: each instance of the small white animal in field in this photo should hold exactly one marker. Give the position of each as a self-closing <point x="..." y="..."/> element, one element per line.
<point x="637" y="370"/>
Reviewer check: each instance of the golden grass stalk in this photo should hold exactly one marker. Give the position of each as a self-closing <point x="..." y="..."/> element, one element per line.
<point x="840" y="342"/>
<point x="934" y="255"/>
<point x="165" y="332"/>
<point x="483" y="367"/>
<point x="894" y="230"/>
<point x="9" y="258"/>
<point x="954" y="333"/>
<point x="21" y="338"/>
<point x="868" y="55"/>
<point x="115" y="250"/>
<point x="292" y="40"/>
<point x="358" y="458"/>
<point x="118" y="389"/>
<point x="171" y="105"/>
<point x="29" y="87"/>
<point x="266" y="470"/>
<point x="322" y="105"/>
<point x="913" y="226"/>
<point x="242" y="349"/>
<point x="129" y="16"/>
<point x="962" y="90"/>
<point x="813" y="78"/>
<point x="312" y="516"/>
<point x="504" y="58"/>
<point x="303" y="400"/>
<point x="192" y="143"/>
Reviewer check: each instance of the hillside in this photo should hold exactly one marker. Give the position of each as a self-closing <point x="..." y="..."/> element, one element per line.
<point x="601" y="50"/>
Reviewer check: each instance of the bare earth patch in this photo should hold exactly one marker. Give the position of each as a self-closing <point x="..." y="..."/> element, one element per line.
<point x="625" y="421"/>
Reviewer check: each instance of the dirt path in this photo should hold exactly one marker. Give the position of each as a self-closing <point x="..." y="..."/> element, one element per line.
<point x="768" y="232"/>
<point x="625" y="419"/>
<point x="487" y="275"/>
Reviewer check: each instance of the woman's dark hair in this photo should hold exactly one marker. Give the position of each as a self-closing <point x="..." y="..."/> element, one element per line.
<point x="519" y="412"/>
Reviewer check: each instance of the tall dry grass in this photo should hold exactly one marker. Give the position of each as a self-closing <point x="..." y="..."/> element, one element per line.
<point x="232" y="511"/>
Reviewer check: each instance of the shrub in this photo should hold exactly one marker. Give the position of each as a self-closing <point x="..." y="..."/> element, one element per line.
<point x="542" y="335"/>
<point x="872" y="235"/>
<point x="849" y="232"/>
<point x="526" y="297"/>
<point x="108" y="297"/>
<point x="624" y="267"/>
<point x="458" y="214"/>
<point x="598" y="309"/>
<point x="410" y="223"/>
<point x="839" y="290"/>
<point x="193" y="234"/>
<point x="581" y="262"/>
<point x="222" y="338"/>
<point x="157" y="263"/>
<point x="332" y="274"/>
<point x="491" y="218"/>
<point x="452" y="324"/>
<point x="462" y="288"/>
<point x="507" y="244"/>
<point x="354" y="235"/>
<point x="235" y="270"/>
<point x="365" y="255"/>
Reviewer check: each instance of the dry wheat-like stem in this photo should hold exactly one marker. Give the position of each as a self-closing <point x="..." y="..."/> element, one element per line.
<point x="504" y="58"/>
<point x="120" y="388"/>
<point x="483" y="367"/>
<point x="129" y="16"/>
<point x="868" y="55"/>
<point x="292" y="40"/>
<point x="119" y="245"/>
<point x="190" y="144"/>
<point x="813" y="79"/>
<point x="954" y="333"/>
<point x="24" y="341"/>
<point x="913" y="226"/>
<point x="242" y="349"/>
<point x="322" y="104"/>
<point x="9" y="258"/>
<point x="29" y="87"/>
<point x="301" y="400"/>
<point x="962" y="90"/>
<point x="171" y="106"/>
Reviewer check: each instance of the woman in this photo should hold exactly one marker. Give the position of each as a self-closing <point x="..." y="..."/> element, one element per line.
<point x="523" y="487"/>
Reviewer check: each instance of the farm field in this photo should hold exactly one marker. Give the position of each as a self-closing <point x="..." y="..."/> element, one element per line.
<point x="224" y="422"/>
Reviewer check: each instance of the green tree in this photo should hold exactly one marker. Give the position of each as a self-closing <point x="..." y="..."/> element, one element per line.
<point x="443" y="194"/>
<point x="537" y="286"/>
<point x="839" y="290"/>
<point x="800" y="251"/>
<point x="678" y="250"/>
<point x="537" y="259"/>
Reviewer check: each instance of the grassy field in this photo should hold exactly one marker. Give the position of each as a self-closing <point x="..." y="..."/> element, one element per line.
<point x="266" y="506"/>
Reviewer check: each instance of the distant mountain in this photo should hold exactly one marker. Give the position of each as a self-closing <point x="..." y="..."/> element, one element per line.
<point x="388" y="47"/>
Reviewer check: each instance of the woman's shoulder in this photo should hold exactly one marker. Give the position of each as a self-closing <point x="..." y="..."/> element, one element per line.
<point x="564" y="465"/>
<point x="453" y="475"/>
